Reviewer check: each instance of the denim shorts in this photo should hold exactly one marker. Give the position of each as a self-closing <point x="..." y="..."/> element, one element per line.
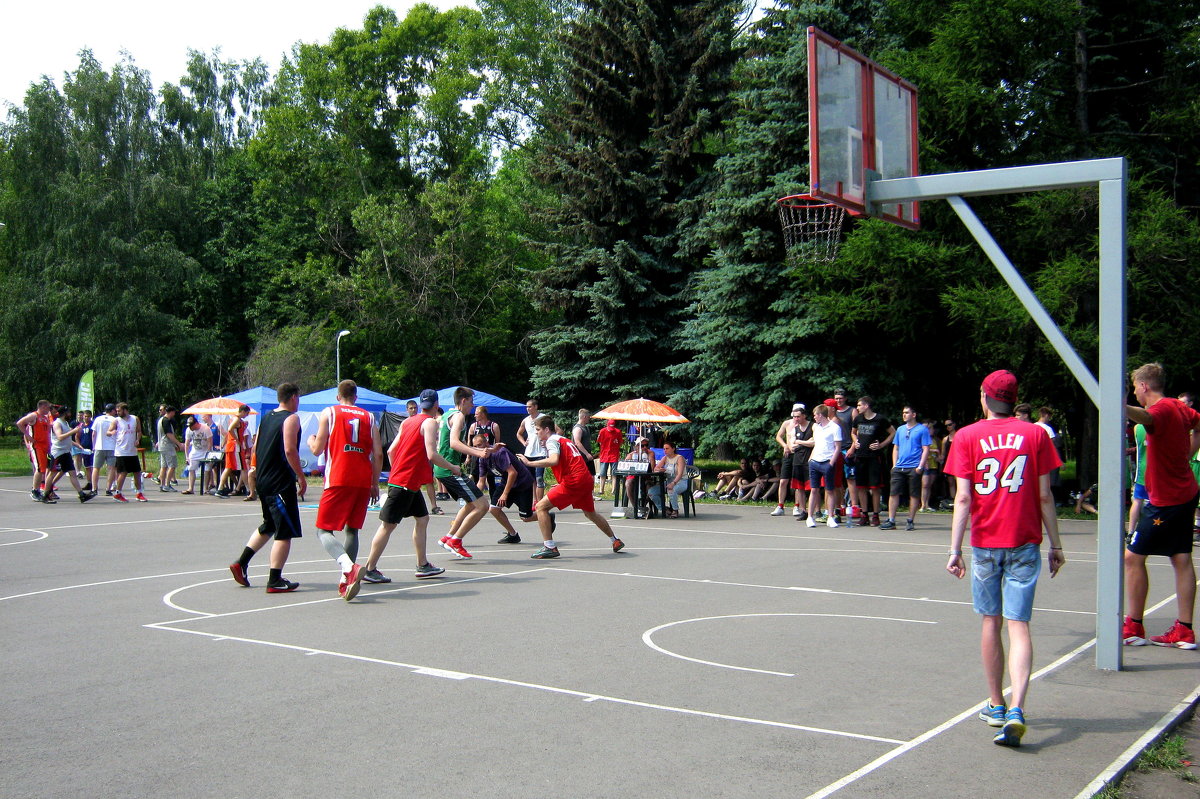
<point x="1003" y="580"/>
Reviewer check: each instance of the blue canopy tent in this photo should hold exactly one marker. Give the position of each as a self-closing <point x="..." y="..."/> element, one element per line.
<point x="368" y="400"/>
<point x="260" y="398"/>
<point x="493" y="403"/>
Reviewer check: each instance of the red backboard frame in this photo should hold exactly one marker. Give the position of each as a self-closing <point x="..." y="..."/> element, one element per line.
<point x="870" y="125"/>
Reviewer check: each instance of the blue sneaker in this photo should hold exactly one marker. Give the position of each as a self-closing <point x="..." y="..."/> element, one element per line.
<point x="993" y="714"/>
<point x="1014" y="727"/>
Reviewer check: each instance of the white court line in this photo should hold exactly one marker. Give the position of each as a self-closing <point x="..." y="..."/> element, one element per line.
<point x="828" y="591"/>
<point x="284" y="606"/>
<point x="854" y="776"/>
<point x="42" y="535"/>
<point x="648" y="636"/>
<point x="118" y="580"/>
<point x="125" y="522"/>
<point x="584" y="695"/>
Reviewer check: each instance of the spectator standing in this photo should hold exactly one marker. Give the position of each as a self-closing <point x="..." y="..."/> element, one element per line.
<point x="610" y="439"/>
<point x="83" y="450"/>
<point x="910" y="452"/>
<point x="826" y="443"/>
<point x="534" y="450"/>
<point x="198" y="443"/>
<point x="793" y="470"/>
<point x="933" y="466"/>
<point x="872" y="434"/>
<point x="1165" y="526"/>
<point x="169" y="446"/>
<point x="102" y="449"/>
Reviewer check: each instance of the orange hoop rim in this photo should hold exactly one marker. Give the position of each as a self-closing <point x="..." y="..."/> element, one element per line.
<point x="804" y="201"/>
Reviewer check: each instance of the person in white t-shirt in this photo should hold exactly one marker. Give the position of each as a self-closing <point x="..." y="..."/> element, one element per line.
<point x="102" y="448"/>
<point x="125" y="433"/>
<point x="826" y="443"/>
<point x="198" y="442"/>
<point x="534" y="450"/>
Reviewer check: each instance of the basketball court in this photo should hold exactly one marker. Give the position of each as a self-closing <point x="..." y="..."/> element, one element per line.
<point x="731" y="654"/>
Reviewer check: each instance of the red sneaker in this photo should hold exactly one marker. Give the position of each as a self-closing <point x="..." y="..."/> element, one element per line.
<point x="119" y="497"/>
<point x="618" y="545"/>
<point x="1133" y="633"/>
<point x="141" y="497"/>
<point x="455" y="545"/>
<point x="353" y="581"/>
<point x="1178" y="636"/>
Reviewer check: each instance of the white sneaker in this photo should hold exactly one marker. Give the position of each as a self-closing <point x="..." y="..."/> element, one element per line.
<point x="778" y="511"/>
<point x="810" y="521"/>
<point x="795" y="510"/>
<point x="832" y="522"/>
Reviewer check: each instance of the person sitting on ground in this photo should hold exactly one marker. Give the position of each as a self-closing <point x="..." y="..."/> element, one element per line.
<point x="754" y="489"/>
<point x="673" y="467"/>
<point x="727" y="481"/>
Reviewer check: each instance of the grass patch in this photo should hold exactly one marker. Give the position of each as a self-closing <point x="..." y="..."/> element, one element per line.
<point x="1167" y="755"/>
<point x="14" y="458"/>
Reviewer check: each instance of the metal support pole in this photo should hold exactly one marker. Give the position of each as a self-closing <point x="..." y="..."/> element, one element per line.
<point x="1110" y="526"/>
<point x="1011" y="276"/>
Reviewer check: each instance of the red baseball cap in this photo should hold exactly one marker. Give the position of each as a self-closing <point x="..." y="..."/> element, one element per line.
<point x="1001" y="385"/>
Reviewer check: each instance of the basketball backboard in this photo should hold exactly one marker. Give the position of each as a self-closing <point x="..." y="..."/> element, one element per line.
<point x="862" y="120"/>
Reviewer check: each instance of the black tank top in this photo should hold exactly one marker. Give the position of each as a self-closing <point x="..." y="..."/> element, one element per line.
<point x="272" y="472"/>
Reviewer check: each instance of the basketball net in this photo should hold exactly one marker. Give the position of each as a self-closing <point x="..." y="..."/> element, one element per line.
<point x="812" y="230"/>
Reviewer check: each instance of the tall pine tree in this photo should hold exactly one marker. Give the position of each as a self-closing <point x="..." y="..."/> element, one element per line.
<point x="625" y="153"/>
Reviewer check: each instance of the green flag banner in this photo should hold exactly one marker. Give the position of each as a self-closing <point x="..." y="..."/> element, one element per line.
<point x="86" y="396"/>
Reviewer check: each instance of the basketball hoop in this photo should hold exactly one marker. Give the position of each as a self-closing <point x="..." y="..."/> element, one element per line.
<point x="812" y="230"/>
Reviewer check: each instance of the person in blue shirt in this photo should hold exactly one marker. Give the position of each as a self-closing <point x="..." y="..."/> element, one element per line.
<point x="910" y="452"/>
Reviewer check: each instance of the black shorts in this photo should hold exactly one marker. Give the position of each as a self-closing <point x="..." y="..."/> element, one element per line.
<point x="281" y="515"/>
<point x="1164" y="530"/>
<point x="868" y="471"/>
<point x="905" y="480"/>
<point x="127" y="464"/>
<point x="459" y="487"/>
<point x="63" y="463"/>
<point x="402" y="504"/>
<point x="521" y="497"/>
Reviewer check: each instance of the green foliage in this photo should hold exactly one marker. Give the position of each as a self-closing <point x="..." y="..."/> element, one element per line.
<point x="625" y="156"/>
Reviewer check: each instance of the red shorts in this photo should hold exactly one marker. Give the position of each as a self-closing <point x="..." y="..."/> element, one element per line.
<point x="40" y="458"/>
<point x="799" y="484"/>
<point x="343" y="506"/>
<point x="561" y="496"/>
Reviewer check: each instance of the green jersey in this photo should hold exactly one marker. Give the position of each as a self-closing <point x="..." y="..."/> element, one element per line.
<point x="444" y="449"/>
<point x="1139" y="442"/>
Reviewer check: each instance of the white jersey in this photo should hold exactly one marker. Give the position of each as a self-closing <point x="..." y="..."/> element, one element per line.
<point x="827" y="439"/>
<point x="57" y="447"/>
<point x="533" y="445"/>
<point x="125" y="439"/>
<point x="100" y="439"/>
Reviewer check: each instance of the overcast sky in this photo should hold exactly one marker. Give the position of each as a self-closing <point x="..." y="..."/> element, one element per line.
<point x="44" y="38"/>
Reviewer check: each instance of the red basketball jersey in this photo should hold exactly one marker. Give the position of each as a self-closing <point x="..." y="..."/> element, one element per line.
<point x="571" y="469"/>
<point x="410" y="462"/>
<point x="1003" y="459"/>
<point x="348" y="451"/>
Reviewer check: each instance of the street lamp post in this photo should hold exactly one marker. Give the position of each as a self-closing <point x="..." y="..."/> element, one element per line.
<point x="337" y="345"/>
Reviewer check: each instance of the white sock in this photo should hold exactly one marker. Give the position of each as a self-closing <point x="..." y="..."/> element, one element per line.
<point x="612" y="538"/>
<point x="550" y="544"/>
<point x="345" y="562"/>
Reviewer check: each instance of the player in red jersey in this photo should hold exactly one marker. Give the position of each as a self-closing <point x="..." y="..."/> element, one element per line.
<point x="1002" y="466"/>
<point x="350" y="436"/>
<point x="574" y="487"/>
<point x="411" y="457"/>
<point x="35" y="430"/>
<point x="1165" y="525"/>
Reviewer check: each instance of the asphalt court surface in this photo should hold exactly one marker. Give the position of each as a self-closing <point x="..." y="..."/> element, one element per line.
<point x="732" y="654"/>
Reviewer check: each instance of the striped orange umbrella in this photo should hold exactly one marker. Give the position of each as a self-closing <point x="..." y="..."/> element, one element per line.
<point x="642" y="410"/>
<point x="217" y="406"/>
